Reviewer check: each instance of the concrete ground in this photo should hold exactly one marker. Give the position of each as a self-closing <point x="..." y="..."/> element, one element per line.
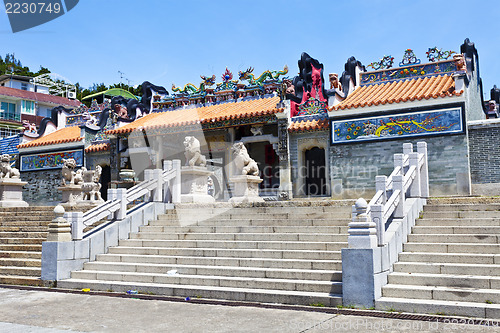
<point x="51" y="312"/>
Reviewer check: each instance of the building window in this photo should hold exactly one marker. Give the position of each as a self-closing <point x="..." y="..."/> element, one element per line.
<point x="5" y="132"/>
<point x="8" y="111"/>
<point x="28" y="107"/>
<point x="24" y="86"/>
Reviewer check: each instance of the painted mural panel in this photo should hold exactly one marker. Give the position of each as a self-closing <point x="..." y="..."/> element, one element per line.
<point x="444" y="121"/>
<point x="49" y="160"/>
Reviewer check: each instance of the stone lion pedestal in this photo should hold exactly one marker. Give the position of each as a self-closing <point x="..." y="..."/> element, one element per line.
<point x="246" y="189"/>
<point x="194" y="188"/>
<point x="11" y="193"/>
<point x="70" y="195"/>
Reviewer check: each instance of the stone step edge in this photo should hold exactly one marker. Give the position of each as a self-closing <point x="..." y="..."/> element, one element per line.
<point x="449" y="264"/>
<point x="221" y="249"/>
<point x="219" y="277"/>
<point x="67" y="282"/>
<point x="442" y="288"/>
<point x="447" y="276"/>
<point x="239" y="268"/>
<point x="223" y="258"/>
<point x="437" y="306"/>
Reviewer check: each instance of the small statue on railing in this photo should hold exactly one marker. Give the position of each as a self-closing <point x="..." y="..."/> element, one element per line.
<point x="192" y="152"/>
<point x="70" y="176"/>
<point x="91" y="186"/>
<point x="6" y="170"/>
<point x="245" y="165"/>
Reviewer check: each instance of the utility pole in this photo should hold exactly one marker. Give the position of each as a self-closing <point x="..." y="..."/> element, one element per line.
<point x="121" y="77"/>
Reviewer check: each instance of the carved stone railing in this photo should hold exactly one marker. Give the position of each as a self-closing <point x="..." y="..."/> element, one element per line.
<point x="158" y="186"/>
<point x="408" y="180"/>
<point x="379" y="228"/>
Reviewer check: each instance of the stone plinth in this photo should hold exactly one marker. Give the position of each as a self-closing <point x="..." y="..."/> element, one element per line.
<point x="59" y="229"/>
<point x="194" y="187"/>
<point x="70" y="194"/>
<point x="11" y="193"/>
<point x="246" y="189"/>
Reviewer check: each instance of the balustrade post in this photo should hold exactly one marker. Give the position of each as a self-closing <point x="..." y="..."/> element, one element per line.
<point x="362" y="231"/>
<point x="424" y="172"/>
<point x="176" y="182"/>
<point x="398" y="184"/>
<point x="111" y="197"/>
<point x="167" y="194"/>
<point x="415" y="184"/>
<point x="148" y="175"/>
<point x="121" y="194"/>
<point x="399" y="162"/>
<point x="158" y="191"/>
<point x="377" y="215"/>
<point x="380" y="185"/>
<point x="76" y="221"/>
<point x="407" y="148"/>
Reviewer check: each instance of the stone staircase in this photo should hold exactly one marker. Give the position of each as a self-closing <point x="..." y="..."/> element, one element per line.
<point x="22" y="231"/>
<point x="281" y="252"/>
<point x="451" y="262"/>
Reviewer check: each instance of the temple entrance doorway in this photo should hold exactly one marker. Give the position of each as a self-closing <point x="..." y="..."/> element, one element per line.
<point x="105" y="180"/>
<point x="315" y="172"/>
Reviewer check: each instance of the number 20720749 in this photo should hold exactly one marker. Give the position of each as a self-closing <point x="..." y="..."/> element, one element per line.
<point x="32" y="8"/>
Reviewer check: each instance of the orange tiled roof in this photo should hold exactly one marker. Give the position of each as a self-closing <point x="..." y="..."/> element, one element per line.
<point x="308" y="125"/>
<point x="224" y="111"/>
<point x="64" y="135"/>
<point x="97" y="147"/>
<point x="400" y="91"/>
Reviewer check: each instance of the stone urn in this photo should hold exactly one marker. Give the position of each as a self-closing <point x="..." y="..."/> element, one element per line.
<point x="127" y="175"/>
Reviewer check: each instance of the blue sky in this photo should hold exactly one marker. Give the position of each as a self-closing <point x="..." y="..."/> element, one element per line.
<point x="167" y="42"/>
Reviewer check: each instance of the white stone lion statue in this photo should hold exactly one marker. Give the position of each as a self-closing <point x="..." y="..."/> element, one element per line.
<point x="91" y="186"/>
<point x="245" y="165"/>
<point x="6" y="170"/>
<point x="70" y="176"/>
<point x="192" y="152"/>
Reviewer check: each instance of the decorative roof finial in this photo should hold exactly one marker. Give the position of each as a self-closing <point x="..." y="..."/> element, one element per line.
<point x="409" y="58"/>
<point x="384" y="63"/>
<point x="435" y="55"/>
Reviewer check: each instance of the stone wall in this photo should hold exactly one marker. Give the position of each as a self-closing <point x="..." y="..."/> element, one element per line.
<point x="41" y="189"/>
<point x="484" y="147"/>
<point x="353" y="167"/>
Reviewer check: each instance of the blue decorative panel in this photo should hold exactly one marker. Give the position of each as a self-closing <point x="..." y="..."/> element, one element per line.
<point x="444" y="121"/>
<point x="436" y="68"/>
<point x="9" y="144"/>
<point x="50" y="160"/>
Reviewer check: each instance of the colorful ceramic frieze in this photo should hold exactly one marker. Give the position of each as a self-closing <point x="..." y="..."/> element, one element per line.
<point x="408" y="72"/>
<point x="311" y="106"/>
<point x="445" y="121"/>
<point x="50" y="160"/>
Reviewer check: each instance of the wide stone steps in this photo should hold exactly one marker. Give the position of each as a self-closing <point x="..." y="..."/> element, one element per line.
<point x="293" y="237"/>
<point x="240" y="222"/>
<point x="284" y="263"/>
<point x="460" y="222"/>
<point x="279" y="254"/>
<point x="276" y="245"/>
<point x="246" y="229"/>
<point x="452" y="248"/>
<point x="22" y="231"/>
<point x="212" y="270"/>
<point x="451" y="262"/>
<point x="228" y="293"/>
<point x="478" y="230"/>
<point x="448" y="268"/>
<point x="232" y="253"/>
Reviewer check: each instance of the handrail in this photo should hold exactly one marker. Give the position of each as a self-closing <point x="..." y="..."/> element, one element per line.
<point x="116" y="206"/>
<point x="408" y="179"/>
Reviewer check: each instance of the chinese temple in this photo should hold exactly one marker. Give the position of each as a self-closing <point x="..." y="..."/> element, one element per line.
<point x="310" y="136"/>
